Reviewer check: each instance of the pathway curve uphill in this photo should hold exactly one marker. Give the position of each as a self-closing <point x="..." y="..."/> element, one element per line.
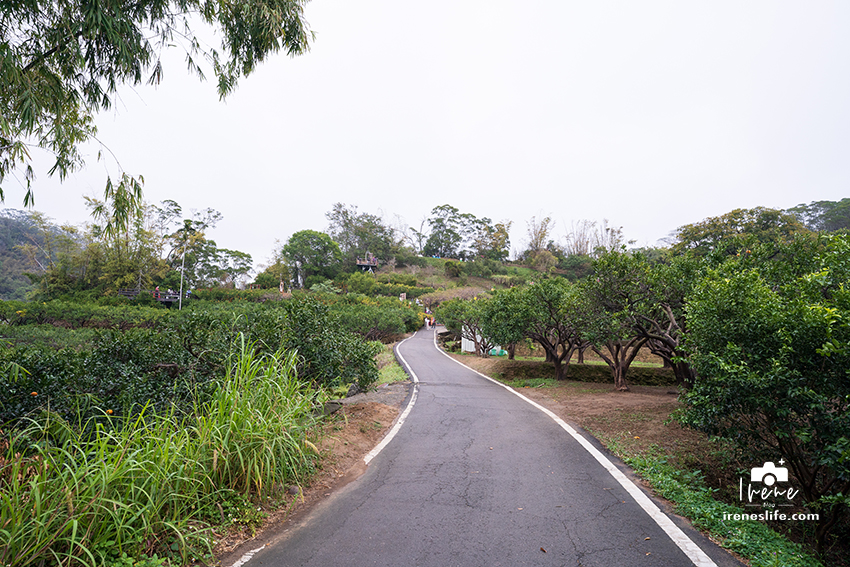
<point x="477" y="475"/>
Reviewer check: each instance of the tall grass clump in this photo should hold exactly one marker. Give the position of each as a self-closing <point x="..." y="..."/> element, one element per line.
<point x="91" y="494"/>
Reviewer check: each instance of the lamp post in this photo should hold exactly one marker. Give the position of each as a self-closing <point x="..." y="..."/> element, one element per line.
<point x="182" y="270"/>
<point x="187" y="227"/>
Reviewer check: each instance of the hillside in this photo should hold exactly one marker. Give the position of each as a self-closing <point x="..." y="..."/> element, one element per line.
<point x="16" y="229"/>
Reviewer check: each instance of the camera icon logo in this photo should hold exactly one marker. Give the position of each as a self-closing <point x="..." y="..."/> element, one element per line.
<point x="769" y="474"/>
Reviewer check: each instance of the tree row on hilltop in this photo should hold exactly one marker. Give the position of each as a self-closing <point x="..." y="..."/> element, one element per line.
<point x="132" y="244"/>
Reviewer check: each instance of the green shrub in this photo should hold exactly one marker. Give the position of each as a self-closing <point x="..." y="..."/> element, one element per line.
<point x="176" y="361"/>
<point x="46" y="335"/>
<point x="372" y="322"/>
<point x="231" y="295"/>
<point x="75" y="315"/>
<point x="330" y="356"/>
<point x="152" y="484"/>
<point x="408" y="280"/>
<point x="393" y="286"/>
<point x="771" y="347"/>
<point x="453" y="268"/>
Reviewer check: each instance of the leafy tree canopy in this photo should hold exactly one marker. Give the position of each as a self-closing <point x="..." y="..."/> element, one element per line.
<point x="358" y="233"/>
<point x="464" y="236"/>
<point x="728" y="233"/>
<point x="311" y="257"/>
<point x="61" y="62"/>
<point x="466" y="319"/>
<point x="824" y="215"/>
<point x="771" y="350"/>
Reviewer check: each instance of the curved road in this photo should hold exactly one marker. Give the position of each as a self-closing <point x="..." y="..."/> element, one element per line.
<point x="477" y="475"/>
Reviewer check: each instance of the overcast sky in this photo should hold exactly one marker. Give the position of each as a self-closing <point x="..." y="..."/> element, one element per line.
<point x="649" y="114"/>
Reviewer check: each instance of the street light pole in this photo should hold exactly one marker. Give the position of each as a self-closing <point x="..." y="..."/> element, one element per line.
<point x="182" y="270"/>
<point x="187" y="230"/>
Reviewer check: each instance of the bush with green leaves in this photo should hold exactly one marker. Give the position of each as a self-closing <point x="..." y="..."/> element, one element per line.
<point x="375" y="321"/>
<point x="176" y="362"/>
<point x="392" y="286"/>
<point x="47" y="335"/>
<point x="397" y="278"/>
<point x="329" y="355"/>
<point x="152" y="485"/>
<point x="221" y="294"/>
<point x="466" y="319"/>
<point x="68" y="314"/>
<point x="772" y="359"/>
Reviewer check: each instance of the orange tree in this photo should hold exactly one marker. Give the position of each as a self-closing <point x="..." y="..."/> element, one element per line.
<point x="465" y="318"/>
<point x="771" y="344"/>
<point x="550" y="308"/>
<point x="642" y="302"/>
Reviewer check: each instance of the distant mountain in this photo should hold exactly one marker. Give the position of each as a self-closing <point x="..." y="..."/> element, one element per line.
<point x="16" y="228"/>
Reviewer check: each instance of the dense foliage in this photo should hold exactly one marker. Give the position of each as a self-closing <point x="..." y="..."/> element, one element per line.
<point x="391" y="285"/>
<point x="169" y="358"/>
<point x="756" y="330"/>
<point x="741" y="228"/>
<point x="773" y="357"/>
<point x="463" y="235"/>
<point x="108" y="491"/>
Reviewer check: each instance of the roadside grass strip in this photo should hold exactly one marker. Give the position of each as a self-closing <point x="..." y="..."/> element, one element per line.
<point x="116" y="490"/>
<point x="756" y="542"/>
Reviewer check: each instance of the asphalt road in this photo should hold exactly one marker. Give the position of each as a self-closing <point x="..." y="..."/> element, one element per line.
<point x="478" y="476"/>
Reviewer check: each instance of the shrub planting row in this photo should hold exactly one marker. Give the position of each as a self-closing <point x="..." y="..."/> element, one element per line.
<point x="176" y="361"/>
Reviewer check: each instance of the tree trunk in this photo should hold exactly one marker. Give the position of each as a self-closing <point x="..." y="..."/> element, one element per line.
<point x="511" y="350"/>
<point x="667" y="351"/>
<point x="622" y="353"/>
<point x="562" y="362"/>
<point x="685" y="374"/>
<point x="560" y="369"/>
<point x="581" y="354"/>
<point x="619" y="372"/>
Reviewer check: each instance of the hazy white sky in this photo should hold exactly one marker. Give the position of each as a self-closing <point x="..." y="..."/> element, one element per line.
<point x="650" y="114"/>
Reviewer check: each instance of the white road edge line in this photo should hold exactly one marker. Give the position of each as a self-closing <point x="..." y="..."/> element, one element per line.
<point x="400" y="421"/>
<point x="686" y="544"/>
<point x="247" y="557"/>
<point x="374" y="452"/>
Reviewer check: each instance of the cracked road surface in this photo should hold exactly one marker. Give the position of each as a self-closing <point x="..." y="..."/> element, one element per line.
<point x="477" y="476"/>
